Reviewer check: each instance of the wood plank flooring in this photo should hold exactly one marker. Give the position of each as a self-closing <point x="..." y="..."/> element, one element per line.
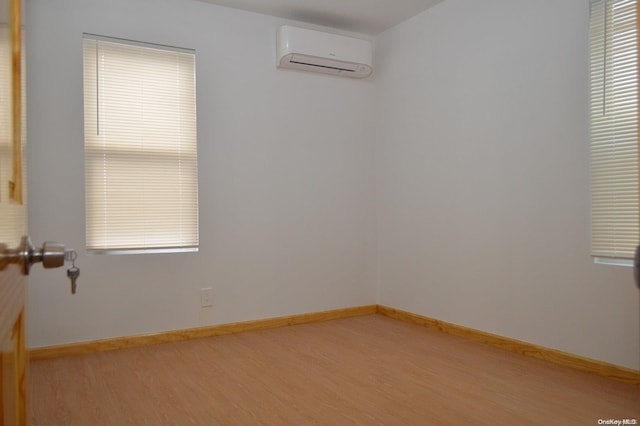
<point x="368" y="370"/>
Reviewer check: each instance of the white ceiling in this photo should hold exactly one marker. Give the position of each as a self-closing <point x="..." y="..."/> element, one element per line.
<point x="361" y="16"/>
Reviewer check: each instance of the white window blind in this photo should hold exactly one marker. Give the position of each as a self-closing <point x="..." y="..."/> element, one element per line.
<point x="140" y="147"/>
<point x="614" y="128"/>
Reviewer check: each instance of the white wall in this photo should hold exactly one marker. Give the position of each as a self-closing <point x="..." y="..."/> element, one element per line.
<point x="481" y="167"/>
<point x="285" y="178"/>
<point x="483" y="177"/>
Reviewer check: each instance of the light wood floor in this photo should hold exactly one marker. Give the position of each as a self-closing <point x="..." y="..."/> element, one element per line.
<point x="364" y="370"/>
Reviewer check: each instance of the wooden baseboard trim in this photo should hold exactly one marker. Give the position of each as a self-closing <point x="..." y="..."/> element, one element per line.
<point x="558" y="357"/>
<point x="83" y="348"/>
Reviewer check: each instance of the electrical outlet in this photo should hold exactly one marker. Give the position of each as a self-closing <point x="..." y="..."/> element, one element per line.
<point x="206" y="297"/>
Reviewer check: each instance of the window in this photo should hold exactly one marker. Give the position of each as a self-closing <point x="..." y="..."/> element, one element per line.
<point x="614" y="128"/>
<point x="140" y="147"/>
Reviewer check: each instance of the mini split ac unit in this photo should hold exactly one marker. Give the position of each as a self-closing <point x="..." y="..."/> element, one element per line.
<point x="309" y="50"/>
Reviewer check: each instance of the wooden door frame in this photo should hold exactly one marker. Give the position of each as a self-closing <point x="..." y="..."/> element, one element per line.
<point x="13" y="353"/>
<point x="16" y="192"/>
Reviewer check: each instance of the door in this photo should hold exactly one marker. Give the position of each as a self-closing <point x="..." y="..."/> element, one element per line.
<point x="13" y="217"/>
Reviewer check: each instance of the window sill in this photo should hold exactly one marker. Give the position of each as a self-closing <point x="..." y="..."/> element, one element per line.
<point x="613" y="262"/>
<point x="144" y="251"/>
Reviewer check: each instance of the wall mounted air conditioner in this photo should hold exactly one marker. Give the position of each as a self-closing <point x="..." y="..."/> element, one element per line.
<point x="316" y="51"/>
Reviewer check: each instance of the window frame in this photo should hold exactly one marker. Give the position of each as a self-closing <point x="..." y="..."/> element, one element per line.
<point x="136" y="149"/>
<point x="613" y="130"/>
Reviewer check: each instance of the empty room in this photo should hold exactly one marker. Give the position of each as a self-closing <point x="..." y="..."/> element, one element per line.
<point x="286" y="212"/>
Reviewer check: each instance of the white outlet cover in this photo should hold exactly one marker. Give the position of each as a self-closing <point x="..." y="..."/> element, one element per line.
<point x="206" y="297"/>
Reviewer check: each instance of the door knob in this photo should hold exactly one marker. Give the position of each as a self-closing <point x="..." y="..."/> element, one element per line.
<point x="51" y="255"/>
